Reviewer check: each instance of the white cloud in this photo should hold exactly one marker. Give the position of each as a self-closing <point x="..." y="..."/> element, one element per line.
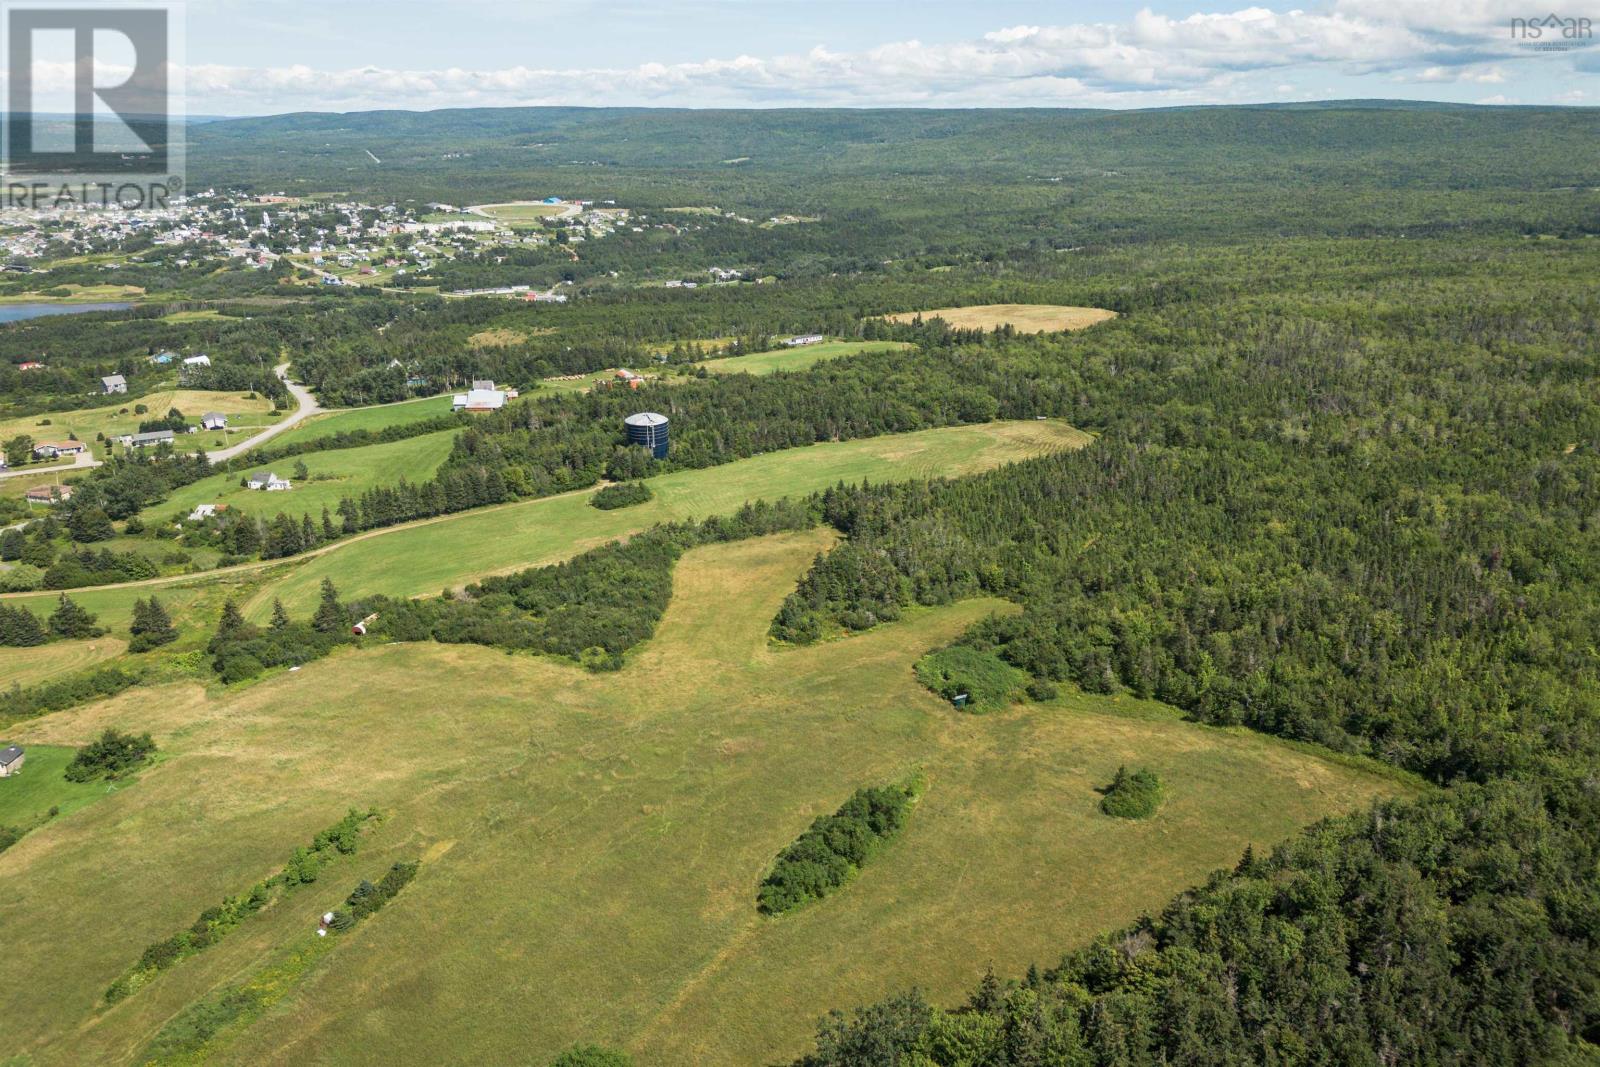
<point x="1146" y="59"/>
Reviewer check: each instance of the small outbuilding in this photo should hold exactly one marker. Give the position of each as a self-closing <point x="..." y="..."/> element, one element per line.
<point x="11" y="760"/>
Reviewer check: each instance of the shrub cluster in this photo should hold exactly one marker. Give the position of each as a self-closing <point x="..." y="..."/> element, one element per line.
<point x="592" y="608"/>
<point x="241" y="650"/>
<point x="367" y="898"/>
<point x="834" y="848"/>
<point x="989" y="681"/>
<point x="110" y="756"/>
<point x="1132" y="796"/>
<point x="303" y="867"/>
<point x="19" y="703"/>
<point x="621" y="495"/>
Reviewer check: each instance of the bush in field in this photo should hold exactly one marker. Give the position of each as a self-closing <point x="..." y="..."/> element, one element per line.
<point x="834" y="848"/>
<point x="592" y="1056"/>
<point x="621" y="495"/>
<point x="989" y="682"/>
<point x="111" y="755"/>
<point x="1134" y="795"/>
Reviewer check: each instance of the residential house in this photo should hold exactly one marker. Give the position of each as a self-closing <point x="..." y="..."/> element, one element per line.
<point x="48" y="494"/>
<point x="268" y="482"/>
<point x="11" y="760"/>
<point x="113" y="383"/>
<point x="213" y="420"/>
<point x="805" y="339"/>
<point x="151" y="437"/>
<point x="55" y="449"/>
<point x="202" y="360"/>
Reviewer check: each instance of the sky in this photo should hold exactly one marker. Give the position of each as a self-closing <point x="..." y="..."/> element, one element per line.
<point x="273" y="56"/>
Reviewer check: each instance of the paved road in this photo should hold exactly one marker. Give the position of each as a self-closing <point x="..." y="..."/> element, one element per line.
<point x="82" y="462"/>
<point x="307" y="407"/>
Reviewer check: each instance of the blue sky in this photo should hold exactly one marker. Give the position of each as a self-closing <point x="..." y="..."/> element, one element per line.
<point x="255" y="57"/>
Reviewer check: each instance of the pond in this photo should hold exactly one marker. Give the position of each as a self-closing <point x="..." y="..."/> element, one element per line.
<point x="19" y="312"/>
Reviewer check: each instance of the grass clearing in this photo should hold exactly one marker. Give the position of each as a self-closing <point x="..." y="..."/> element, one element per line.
<point x="1024" y="318"/>
<point x="30" y="666"/>
<point x="27" y="796"/>
<point x="112" y="419"/>
<point x="334" y="474"/>
<point x="426" y="557"/>
<point x="800" y="357"/>
<point x="377" y="417"/>
<point x="593" y="843"/>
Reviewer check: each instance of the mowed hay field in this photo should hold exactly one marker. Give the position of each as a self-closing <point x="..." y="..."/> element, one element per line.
<point x="377" y="417"/>
<point x="108" y="420"/>
<point x="798" y="358"/>
<point x="334" y="474"/>
<point x="424" y="557"/>
<point x="1024" y="318"/>
<point x="591" y="844"/>
<point x="30" y="666"/>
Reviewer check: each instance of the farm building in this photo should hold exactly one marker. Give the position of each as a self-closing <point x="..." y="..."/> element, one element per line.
<point x="805" y="339"/>
<point x="268" y="482"/>
<point x="148" y="438"/>
<point x="479" y="400"/>
<point x="113" y="383"/>
<point x="648" y="429"/>
<point x="483" y="383"/>
<point x="48" y="494"/>
<point x="53" y="449"/>
<point x="213" y="420"/>
<point x="202" y="360"/>
<point x="11" y="760"/>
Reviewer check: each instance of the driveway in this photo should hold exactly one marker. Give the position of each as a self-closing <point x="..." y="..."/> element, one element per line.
<point x="81" y="462"/>
<point x="307" y="407"/>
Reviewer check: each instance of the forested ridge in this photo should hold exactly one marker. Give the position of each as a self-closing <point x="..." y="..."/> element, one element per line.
<point x="1359" y="510"/>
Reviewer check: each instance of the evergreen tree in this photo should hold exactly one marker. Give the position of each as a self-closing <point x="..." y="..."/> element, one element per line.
<point x="280" y="617"/>
<point x="70" y="620"/>
<point x="20" y="628"/>
<point x="331" y="617"/>
<point x="151" y="626"/>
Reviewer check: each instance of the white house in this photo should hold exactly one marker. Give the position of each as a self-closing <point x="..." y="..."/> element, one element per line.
<point x="11" y="760"/>
<point x="268" y="482"/>
<point x="213" y="420"/>
<point x="804" y="339"/>
<point x="150" y="437"/>
<point x="113" y="383"/>
<point x="202" y="511"/>
<point x="202" y="360"/>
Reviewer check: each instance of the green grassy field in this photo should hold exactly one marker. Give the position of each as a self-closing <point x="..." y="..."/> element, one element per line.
<point x="30" y="666"/>
<point x="334" y="474"/>
<point x="426" y="557"/>
<point x="27" y="796"/>
<point x="591" y="844"/>
<point x="374" y="418"/>
<point x="798" y="358"/>
<point x="110" y="420"/>
<point x="455" y="549"/>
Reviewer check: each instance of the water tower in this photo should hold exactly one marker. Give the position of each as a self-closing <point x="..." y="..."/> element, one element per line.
<point x="648" y="430"/>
